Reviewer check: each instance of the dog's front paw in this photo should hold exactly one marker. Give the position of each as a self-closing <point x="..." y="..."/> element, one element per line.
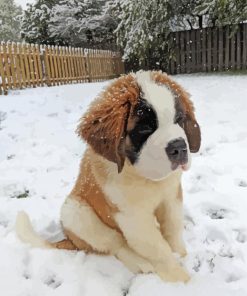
<point x="178" y="247"/>
<point x="133" y="261"/>
<point x="174" y="273"/>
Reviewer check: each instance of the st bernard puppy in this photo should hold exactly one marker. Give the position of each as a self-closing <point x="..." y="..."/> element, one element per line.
<point x="127" y="200"/>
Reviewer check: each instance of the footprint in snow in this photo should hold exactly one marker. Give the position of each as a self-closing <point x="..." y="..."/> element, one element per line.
<point x="232" y="278"/>
<point x="13" y="136"/>
<point x="52" y="281"/>
<point x="209" y="150"/>
<point x="241" y="235"/>
<point x="10" y="156"/>
<point x="214" y="235"/>
<point x="217" y="212"/>
<point x="26" y="275"/>
<point x="52" y="115"/>
<point x="4" y="223"/>
<point x="242" y="183"/>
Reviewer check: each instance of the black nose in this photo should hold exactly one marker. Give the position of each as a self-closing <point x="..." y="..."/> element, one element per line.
<point x="177" y="151"/>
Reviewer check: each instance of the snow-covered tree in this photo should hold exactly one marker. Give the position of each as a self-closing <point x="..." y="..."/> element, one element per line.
<point x="69" y="22"/>
<point x="36" y="20"/>
<point x="224" y="12"/>
<point x="193" y="14"/>
<point x="10" y="17"/>
<point x="82" y="23"/>
<point x="143" y="31"/>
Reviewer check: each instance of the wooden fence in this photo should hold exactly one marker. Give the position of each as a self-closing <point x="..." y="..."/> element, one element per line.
<point x="209" y="49"/>
<point x="28" y="65"/>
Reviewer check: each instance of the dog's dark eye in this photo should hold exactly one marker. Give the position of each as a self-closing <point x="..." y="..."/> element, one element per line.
<point x="180" y="117"/>
<point x="146" y="129"/>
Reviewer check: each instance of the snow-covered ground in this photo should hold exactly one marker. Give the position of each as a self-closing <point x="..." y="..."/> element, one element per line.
<point x="39" y="159"/>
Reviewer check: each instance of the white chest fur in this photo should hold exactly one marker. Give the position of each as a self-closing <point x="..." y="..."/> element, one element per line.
<point x="128" y="193"/>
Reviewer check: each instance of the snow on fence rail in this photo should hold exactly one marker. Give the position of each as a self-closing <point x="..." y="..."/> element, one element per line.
<point x="209" y="49"/>
<point x="30" y="65"/>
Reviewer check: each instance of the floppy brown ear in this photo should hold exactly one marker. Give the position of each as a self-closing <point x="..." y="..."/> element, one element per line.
<point x="190" y="124"/>
<point x="193" y="133"/>
<point x="104" y="125"/>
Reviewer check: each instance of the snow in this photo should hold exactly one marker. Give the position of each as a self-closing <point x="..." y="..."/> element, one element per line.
<point x="39" y="161"/>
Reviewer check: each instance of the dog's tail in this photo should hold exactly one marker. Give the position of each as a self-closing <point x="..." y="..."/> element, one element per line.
<point x="27" y="234"/>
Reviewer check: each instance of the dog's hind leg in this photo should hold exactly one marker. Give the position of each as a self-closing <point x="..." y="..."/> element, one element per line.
<point x="86" y="230"/>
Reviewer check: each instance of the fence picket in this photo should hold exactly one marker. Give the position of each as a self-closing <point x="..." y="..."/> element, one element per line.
<point x="220" y="51"/>
<point x="227" y="56"/>
<point x="39" y="61"/>
<point x="193" y="51"/>
<point x="244" y="51"/>
<point x="6" y="66"/>
<point x="31" y="64"/>
<point x="188" y="52"/>
<point x="232" y="41"/>
<point x="209" y="47"/>
<point x="3" y="86"/>
<point x="65" y="65"/>
<point x="238" y="45"/>
<point x="204" y="51"/>
<point x="11" y="62"/>
<point x="198" y="51"/>
<point x="35" y="64"/>
<point x="55" y="56"/>
<point x="182" y="56"/>
<point x="215" y="49"/>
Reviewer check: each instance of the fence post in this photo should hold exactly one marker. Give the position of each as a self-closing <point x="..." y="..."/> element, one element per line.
<point x="226" y="62"/>
<point x="88" y="66"/>
<point x="2" y="72"/>
<point x="238" y="48"/>
<point x="244" y="53"/>
<point x="204" y="49"/>
<point x="220" y="51"/>
<point x="17" y="66"/>
<point x="209" y="47"/>
<point x="6" y="66"/>
<point x="47" y="69"/>
<point x="233" y="51"/>
<point x="188" y="52"/>
<point x="198" y="50"/>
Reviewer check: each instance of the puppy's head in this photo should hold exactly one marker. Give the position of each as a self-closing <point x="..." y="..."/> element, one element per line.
<point x="147" y="118"/>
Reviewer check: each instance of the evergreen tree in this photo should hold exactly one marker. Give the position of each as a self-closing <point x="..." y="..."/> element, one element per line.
<point x="82" y="23"/>
<point x="143" y="31"/>
<point x="36" y="20"/>
<point x="224" y="12"/>
<point x="10" y="17"/>
<point x="193" y="14"/>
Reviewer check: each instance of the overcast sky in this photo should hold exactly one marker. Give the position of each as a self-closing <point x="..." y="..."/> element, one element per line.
<point x="23" y="2"/>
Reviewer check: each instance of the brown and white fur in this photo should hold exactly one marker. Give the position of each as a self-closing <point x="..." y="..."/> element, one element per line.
<point x="127" y="200"/>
